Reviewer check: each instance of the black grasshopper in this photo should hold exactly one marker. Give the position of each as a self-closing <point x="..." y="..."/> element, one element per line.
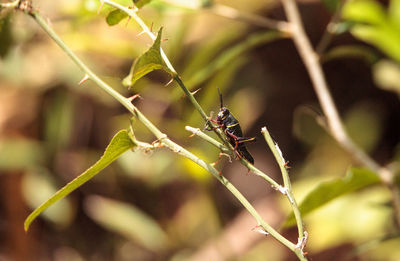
<point x="231" y="128"/>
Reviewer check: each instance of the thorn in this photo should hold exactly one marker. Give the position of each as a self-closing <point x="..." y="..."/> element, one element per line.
<point x="84" y="79"/>
<point x="260" y="230"/>
<point x="196" y="91"/>
<point x="151" y="27"/>
<point x="49" y="22"/>
<point x="192" y="135"/>
<point x="100" y="7"/>
<point x="287" y="165"/>
<point x="142" y="32"/>
<point x="127" y="21"/>
<point x="170" y="81"/>
<point x="164" y="40"/>
<point x="133" y="7"/>
<point x="133" y="97"/>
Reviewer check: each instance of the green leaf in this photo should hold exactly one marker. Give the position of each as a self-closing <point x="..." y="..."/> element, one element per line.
<point x="140" y="3"/>
<point x="148" y="62"/>
<point x="115" y="16"/>
<point x="120" y="143"/>
<point x="355" y="179"/>
<point x="386" y="38"/>
<point x="364" y="11"/>
<point x="374" y="25"/>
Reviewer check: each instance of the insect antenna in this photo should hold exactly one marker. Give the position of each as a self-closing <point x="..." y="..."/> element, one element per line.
<point x="220" y="98"/>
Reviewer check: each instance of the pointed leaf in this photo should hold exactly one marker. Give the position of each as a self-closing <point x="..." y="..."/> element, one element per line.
<point x="115" y="16"/>
<point x="140" y="3"/>
<point x="148" y="62"/>
<point x="355" y="179"/>
<point x="120" y="143"/>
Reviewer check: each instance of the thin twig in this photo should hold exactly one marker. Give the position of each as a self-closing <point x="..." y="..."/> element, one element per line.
<point x="250" y="166"/>
<point x="310" y="59"/>
<point x="199" y="133"/>
<point x="163" y="137"/>
<point x="288" y="188"/>
<point x="238" y="15"/>
<point x="234" y="14"/>
<point x="330" y="30"/>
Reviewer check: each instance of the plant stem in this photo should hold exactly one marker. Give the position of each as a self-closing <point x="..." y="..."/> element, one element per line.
<point x="152" y="36"/>
<point x="224" y="149"/>
<point x="311" y="61"/>
<point x="163" y="137"/>
<point x="198" y="132"/>
<point x="286" y="180"/>
<point x="330" y="30"/>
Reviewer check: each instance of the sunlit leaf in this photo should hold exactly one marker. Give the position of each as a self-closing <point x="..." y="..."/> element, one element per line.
<point x="374" y="25"/>
<point x="127" y="220"/>
<point x="148" y="62"/>
<point x="364" y="11"/>
<point x="355" y="179"/>
<point x="115" y="16"/>
<point x="120" y="143"/>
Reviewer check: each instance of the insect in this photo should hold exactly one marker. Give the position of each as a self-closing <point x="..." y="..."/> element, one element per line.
<point x="230" y="125"/>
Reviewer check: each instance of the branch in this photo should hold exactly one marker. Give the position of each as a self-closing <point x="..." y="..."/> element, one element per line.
<point x="302" y="239"/>
<point x="161" y="136"/>
<point x="310" y="59"/>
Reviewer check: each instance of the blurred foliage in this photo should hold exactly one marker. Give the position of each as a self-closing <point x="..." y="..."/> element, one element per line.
<point x="153" y="205"/>
<point x="128" y="221"/>
<point x="355" y="179"/>
<point x="376" y="25"/>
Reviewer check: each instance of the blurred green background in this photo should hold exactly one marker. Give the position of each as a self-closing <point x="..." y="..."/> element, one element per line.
<point x="158" y="206"/>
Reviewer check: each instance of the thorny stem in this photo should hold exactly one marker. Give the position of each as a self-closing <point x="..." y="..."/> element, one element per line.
<point x="310" y="59"/>
<point x="163" y="137"/>
<point x="286" y="181"/>
<point x="189" y="94"/>
<point x="250" y="166"/>
<point x="152" y="36"/>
